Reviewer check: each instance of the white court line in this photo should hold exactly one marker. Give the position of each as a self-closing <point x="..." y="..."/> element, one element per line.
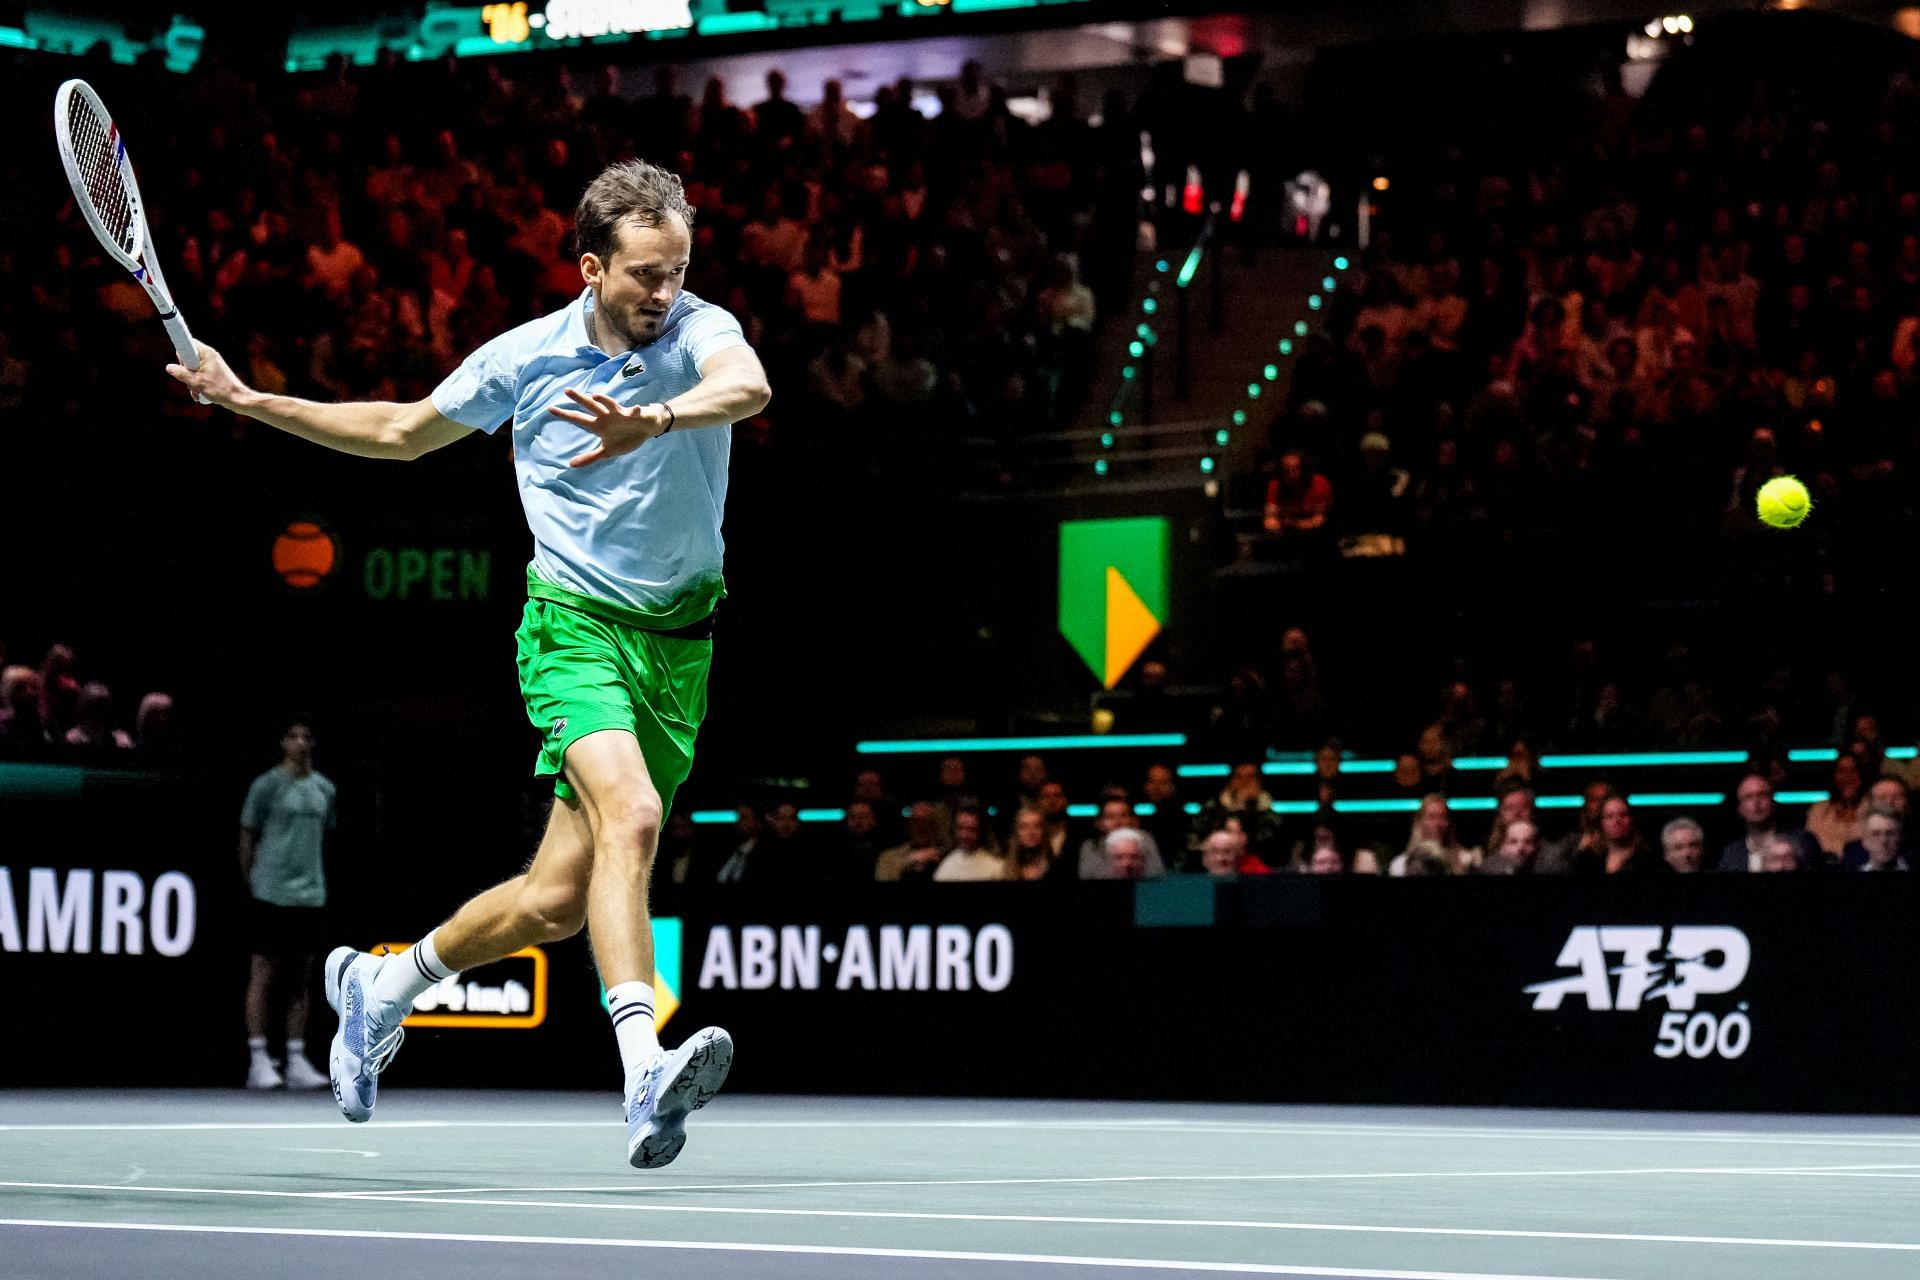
<point x="1170" y="1126"/>
<point x="728" y="1246"/>
<point x="1346" y="1229"/>
<point x="445" y="1195"/>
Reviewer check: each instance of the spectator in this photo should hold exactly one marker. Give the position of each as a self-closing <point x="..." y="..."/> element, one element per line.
<point x="1052" y="804"/>
<point x="1781" y="854"/>
<point x="1618" y="847"/>
<point x="1029" y="777"/>
<point x="283" y="823"/>
<point x="1516" y="852"/>
<point x="1760" y="820"/>
<point x="59" y="691"/>
<point x="1326" y="861"/>
<point x="1683" y="842"/>
<point x="20" y="722"/>
<point x="1225" y="853"/>
<point x="955" y="795"/>
<point x="1432" y="834"/>
<point x="1835" y="822"/>
<point x="1168" y="824"/>
<point x="861" y="846"/>
<point x="739" y="865"/>
<point x="1030" y="856"/>
<point x="1878" y="848"/>
<point x="1126" y="856"/>
<point x="95" y="729"/>
<point x="917" y="856"/>
<point x="1116" y="815"/>
<point x="969" y="859"/>
<point x="1246" y="798"/>
<point x="1559" y="857"/>
<point x="1298" y="498"/>
<point x="153" y="726"/>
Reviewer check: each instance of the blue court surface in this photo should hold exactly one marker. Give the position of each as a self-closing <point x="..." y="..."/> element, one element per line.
<point x="442" y="1184"/>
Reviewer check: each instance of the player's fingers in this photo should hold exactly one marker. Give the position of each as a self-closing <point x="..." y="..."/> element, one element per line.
<point x="580" y="397"/>
<point x="587" y="420"/>
<point x="589" y="457"/>
<point x="606" y="402"/>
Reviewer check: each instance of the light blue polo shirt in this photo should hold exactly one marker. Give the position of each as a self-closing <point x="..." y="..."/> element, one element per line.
<point x="642" y="530"/>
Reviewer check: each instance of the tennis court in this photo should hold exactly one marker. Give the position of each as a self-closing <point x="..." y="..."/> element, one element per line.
<point x="511" y="1185"/>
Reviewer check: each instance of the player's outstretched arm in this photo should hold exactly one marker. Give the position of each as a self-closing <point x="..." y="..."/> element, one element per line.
<point x="732" y="386"/>
<point x="370" y="429"/>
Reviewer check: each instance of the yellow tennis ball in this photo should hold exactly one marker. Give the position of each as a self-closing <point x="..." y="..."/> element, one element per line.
<point x="1784" y="502"/>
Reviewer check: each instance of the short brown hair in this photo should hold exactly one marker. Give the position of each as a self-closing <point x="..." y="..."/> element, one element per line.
<point x="631" y="191"/>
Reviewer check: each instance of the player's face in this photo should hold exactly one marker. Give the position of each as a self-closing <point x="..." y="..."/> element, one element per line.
<point x="634" y="289"/>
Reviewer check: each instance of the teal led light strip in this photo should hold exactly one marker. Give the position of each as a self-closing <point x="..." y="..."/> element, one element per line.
<point x="1641" y="759"/>
<point x="1490" y="764"/>
<point x="1068" y="742"/>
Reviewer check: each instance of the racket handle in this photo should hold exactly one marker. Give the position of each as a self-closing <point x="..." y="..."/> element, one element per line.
<point x="183" y="345"/>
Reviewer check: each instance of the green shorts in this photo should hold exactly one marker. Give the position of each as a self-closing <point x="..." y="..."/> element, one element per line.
<point x="584" y="669"/>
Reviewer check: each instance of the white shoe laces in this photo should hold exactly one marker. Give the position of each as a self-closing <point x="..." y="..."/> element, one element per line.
<point x="382" y="1051"/>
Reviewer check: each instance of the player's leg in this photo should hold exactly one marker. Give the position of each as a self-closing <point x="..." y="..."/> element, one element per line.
<point x="624" y="808"/>
<point x="373" y="994"/>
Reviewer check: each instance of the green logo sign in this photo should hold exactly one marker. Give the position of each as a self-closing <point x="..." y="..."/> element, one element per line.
<point x="1113" y="590"/>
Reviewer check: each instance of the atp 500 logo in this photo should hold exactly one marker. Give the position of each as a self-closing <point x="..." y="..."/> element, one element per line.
<point x="1677" y="966"/>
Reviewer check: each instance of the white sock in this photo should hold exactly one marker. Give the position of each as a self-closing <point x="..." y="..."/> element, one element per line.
<point x="296" y="1049"/>
<point x="630" y="1005"/>
<point x="257" y="1045"/>
<point x="406" y="974"/>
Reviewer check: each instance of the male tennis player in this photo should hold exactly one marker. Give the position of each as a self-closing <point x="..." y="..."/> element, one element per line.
<point x="620" y="405"/>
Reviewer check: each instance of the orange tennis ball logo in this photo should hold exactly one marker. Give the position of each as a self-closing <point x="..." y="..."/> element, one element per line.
<point x="304" y="554"/>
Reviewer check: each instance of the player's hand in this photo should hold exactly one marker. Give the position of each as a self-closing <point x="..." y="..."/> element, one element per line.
<point x="213" y="381"/>
<point x="621" y="429"/>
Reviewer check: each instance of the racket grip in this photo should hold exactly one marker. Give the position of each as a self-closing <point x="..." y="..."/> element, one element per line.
<point x="183" y="345"/>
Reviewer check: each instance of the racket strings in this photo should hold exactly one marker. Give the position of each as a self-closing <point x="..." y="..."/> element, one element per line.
<point x="94" y="147"/>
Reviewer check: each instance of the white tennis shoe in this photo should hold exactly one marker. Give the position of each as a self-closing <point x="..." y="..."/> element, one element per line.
<point x="661" y="1094"/>
<point x="301" y="1075"/>
<point x="369" y="1033"/>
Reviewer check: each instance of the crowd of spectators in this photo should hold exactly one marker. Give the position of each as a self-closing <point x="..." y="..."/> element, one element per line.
<point x="59" y="709"/>
<point x="1023" y="830"/>
<point x="1608" y="319"/>
<point x="353" y="235"/>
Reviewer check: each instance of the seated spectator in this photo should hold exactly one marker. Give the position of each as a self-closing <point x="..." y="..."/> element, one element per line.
<point x="1126" y="856"/>
<point x="20" y="722"/>
<point x="1835" y="822"/>
<point x="1116" y="815"/>
<point x="1878" y="848"/>
<point x="1325" y="861"/>
<point x="153" y="726"/>
<point x="969" y="859"/>
<point x="1029" y="855"/>
<point x="1432" y="833"/>
<point x="1781" y="854"/>
<point x="1365" y="862"/>
<point x="1298" y="498"/>
<point x="1514" y="854"/>
<point x="1169" y="825"/>
<point x="1760" y="817"/>
<point x="747" y="831"/>
<point x="1052" y="804"/>
<point x="1619" y="847"/>
<point x="1245" y="797"/>
<point x="917" y="856"/>
<point x="95" y="728"/>
<point x="861" y="843"/>
<point x="1684" y="844"/>
<point x="1222" y="853"/>
<point x="59" y="691"/>
<point x="1557" y="857"/>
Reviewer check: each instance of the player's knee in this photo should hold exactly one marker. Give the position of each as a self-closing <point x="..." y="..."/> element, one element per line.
<point x="631" y="828"/>
<point x="559" y="910"/>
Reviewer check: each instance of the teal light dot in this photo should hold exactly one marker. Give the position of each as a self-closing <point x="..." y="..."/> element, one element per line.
<point x="1299" y="328"/>
<point x="1143" y="331"/>
<point x="1114" y="419"/>
<point x="1286" y="346"/>
<point x="1106" y="439"/>
<point x="1272" y="371"/>
<point x="1160" y="265"/>
<point x="1127" y="372"/>
<point x="1220" y="436"/>
<point x="1253" y="390"/>
<point x="1150" y="306"/>
<point x="1136" y="348"/>
<point x="1313" y="303"/>
<point x="1340" y="264"/>
<point x="1100" y="466"/>
<point x="1239" y="417"/>
<point x="1326" y="284"/>
<point x="1206" y="465"/>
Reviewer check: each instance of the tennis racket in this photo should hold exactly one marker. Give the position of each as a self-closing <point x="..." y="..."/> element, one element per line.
<point x="95" y="157"/>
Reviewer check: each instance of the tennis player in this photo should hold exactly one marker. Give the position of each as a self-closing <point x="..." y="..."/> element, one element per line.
<point x="621" y="405"/>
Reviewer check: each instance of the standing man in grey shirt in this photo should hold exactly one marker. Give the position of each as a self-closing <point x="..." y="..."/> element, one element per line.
<point x="283" y="823"/>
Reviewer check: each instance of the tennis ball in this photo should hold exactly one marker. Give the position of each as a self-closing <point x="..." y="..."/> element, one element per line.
<point x="303" y="554"/>
<point x="1784" y="502"/>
